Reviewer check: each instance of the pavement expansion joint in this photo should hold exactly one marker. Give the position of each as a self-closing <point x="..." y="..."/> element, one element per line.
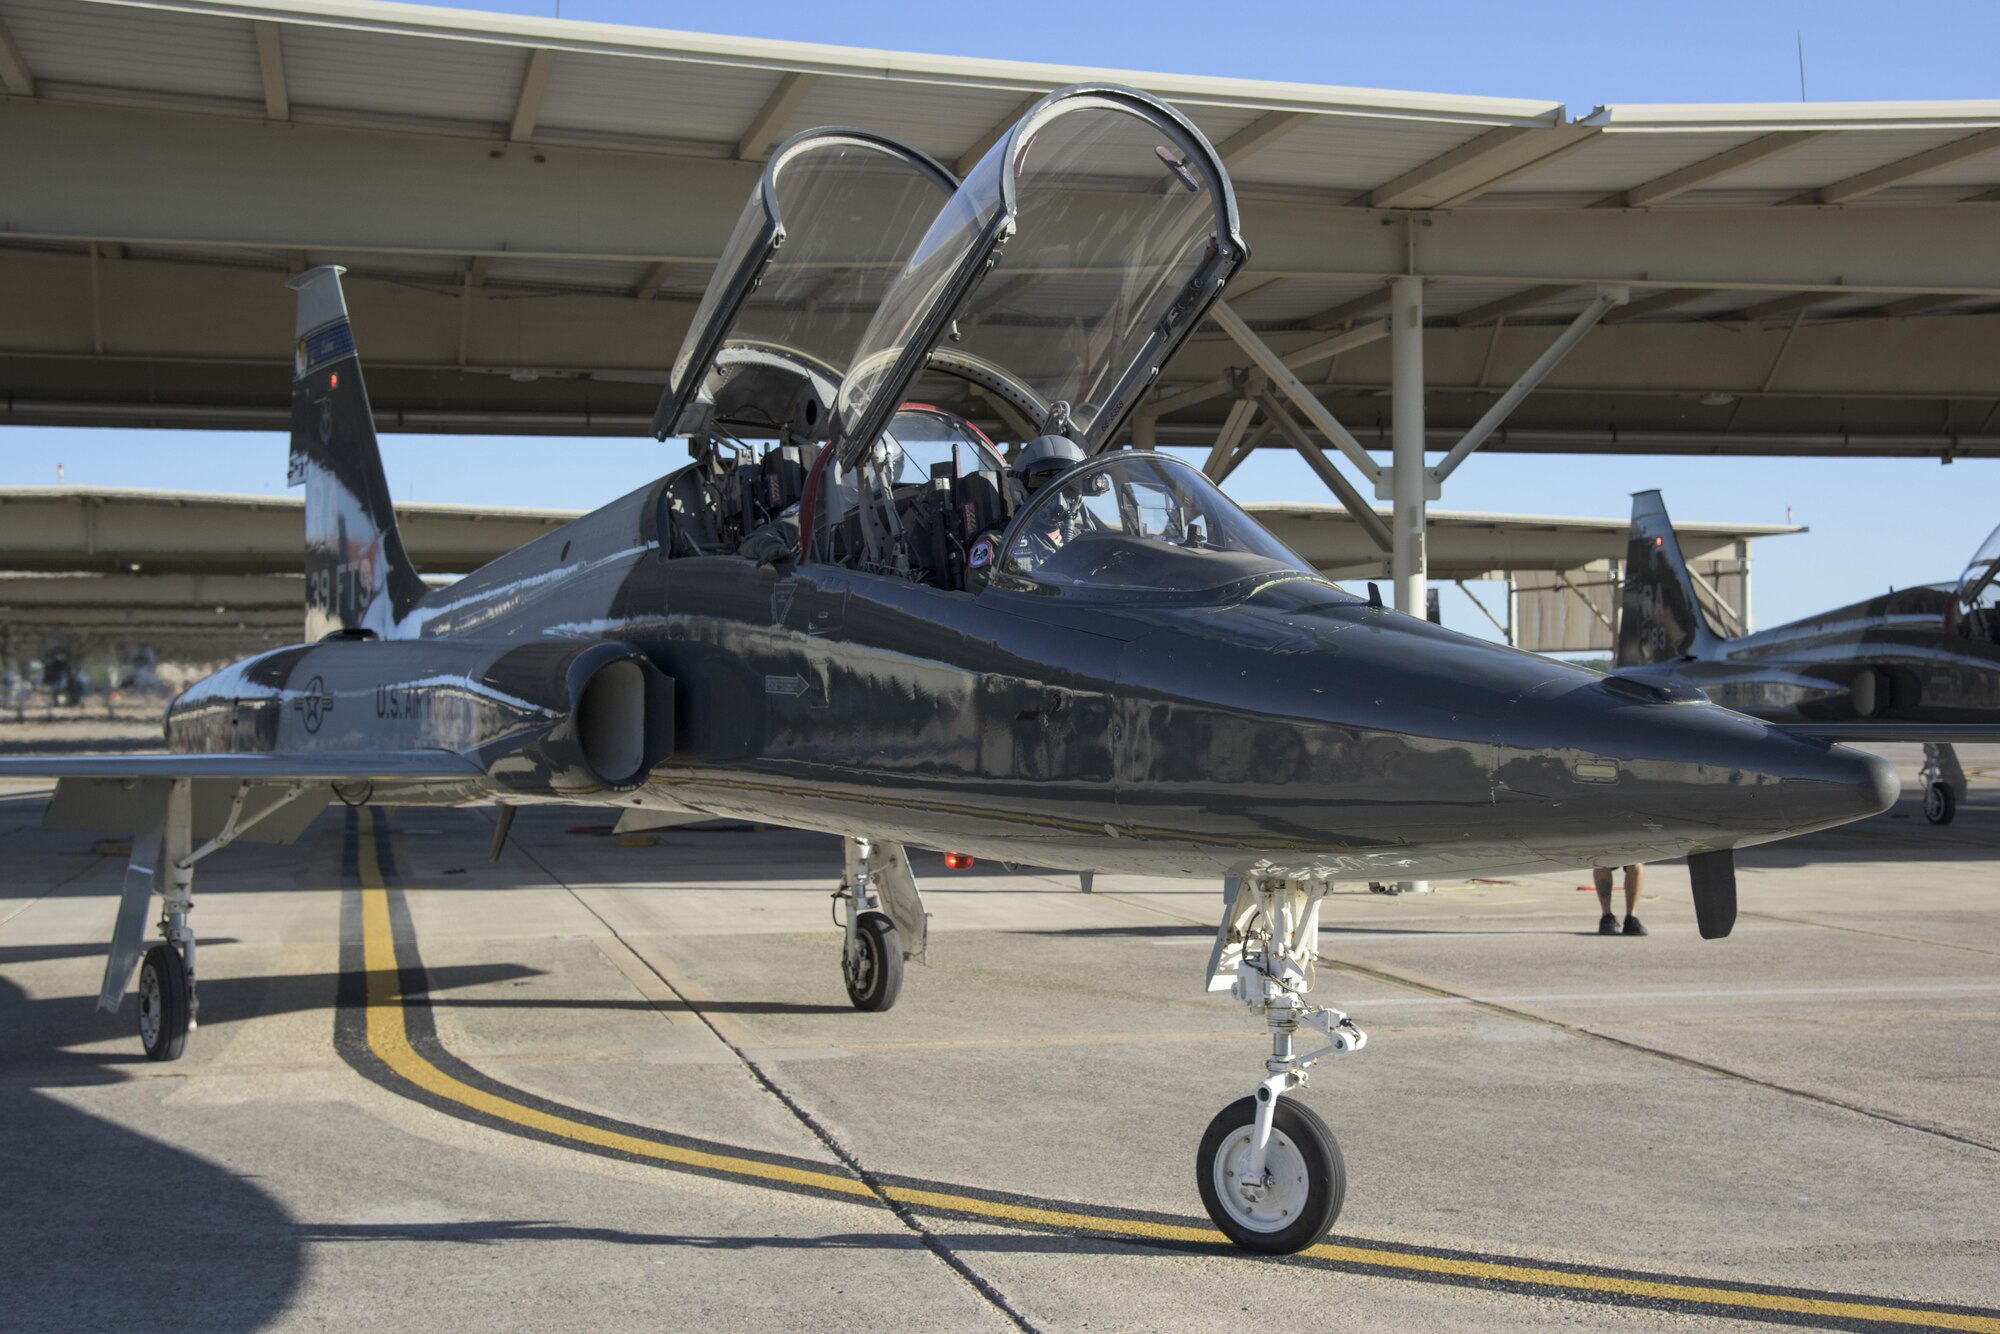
<point x="384" y="1030"/>
<point x="1660" y="1053"/>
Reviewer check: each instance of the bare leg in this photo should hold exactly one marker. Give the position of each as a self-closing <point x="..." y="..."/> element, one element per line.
<point x="1634" y="877"/>
<point x="1602" y="876"/>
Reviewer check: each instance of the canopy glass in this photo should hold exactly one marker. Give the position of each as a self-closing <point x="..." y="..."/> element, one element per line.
<point x="1066" y="269"/>
<point x="1141" y="527"/>
<point x="1979" y="577"/>
<point x="836" y="216"/>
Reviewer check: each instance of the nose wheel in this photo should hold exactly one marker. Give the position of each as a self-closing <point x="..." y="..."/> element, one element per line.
<point x="881" y="911"/>
<point x="1269" y="1171"/>
<point x="1288" y="1203"/>
<point x="1944" y="782"/>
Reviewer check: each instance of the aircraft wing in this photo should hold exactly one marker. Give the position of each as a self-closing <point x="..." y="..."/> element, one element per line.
<point x="1933" y="733"/>
<point x="286" y="767"/>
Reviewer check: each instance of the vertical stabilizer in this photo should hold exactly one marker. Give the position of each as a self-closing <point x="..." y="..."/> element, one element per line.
<point x="358" y="578"/>
<point x="1662" y="619"/>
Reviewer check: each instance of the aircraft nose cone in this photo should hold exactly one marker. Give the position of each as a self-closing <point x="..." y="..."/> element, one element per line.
<point x="1749" y="782"/>
<point x="1829" y="785"/>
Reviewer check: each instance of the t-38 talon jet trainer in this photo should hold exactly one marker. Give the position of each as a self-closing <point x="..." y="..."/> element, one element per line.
<point x="872" y="628"/>
<point x="1914" y="664"/>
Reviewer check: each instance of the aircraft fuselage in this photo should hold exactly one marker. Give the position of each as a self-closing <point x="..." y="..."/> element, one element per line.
<point x="1886" y="659"/>
<point x="1291" y="728"/>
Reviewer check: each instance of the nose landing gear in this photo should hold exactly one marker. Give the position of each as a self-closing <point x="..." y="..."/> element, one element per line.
<point x="1943" y="781"/>
<point x="883" y="911"/>
<point x="1269" y="1171"/>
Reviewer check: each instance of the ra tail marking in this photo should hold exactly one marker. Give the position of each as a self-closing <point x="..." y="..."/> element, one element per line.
<point x="359" y="580"/>
<point x="1662" y="619"/>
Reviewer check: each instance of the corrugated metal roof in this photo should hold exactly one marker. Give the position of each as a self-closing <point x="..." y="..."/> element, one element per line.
<point x="102" y="46"/>
<point x="400" y="76"/>
<point x="448" y="76"/>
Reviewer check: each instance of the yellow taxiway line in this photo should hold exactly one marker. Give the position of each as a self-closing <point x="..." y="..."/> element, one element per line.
<point x="389" y="1040"/>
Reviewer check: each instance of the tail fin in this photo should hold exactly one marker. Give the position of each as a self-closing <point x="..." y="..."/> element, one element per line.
<point x="1661" y="619"/>
<point x="359" y="580"/>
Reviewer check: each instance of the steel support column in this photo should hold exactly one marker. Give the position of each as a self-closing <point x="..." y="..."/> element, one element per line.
<point x="1407" y="481"/>
<point x="1406" y="413"/>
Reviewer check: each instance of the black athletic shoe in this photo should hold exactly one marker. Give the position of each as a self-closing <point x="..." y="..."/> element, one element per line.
<point x="1633" y="926"/>
<point x="1607" y="925"/>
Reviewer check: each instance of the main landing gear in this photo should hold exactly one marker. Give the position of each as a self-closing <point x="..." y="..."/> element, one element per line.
<point x="1269" y="1171"/>
<point x="162" y="862"/>
<point x="1943" y="782"/>
<point x="882" y="909"/>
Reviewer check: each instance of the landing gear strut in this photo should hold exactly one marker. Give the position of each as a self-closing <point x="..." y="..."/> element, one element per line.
<point x="1269" y="1171"/>
<point x="163" y="858"/>
<point x="880" y="906"/>
<point x="1943" y="782"/>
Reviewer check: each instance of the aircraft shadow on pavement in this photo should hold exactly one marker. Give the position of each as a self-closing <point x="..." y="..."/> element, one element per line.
<point x="104" y="1224"/>
<point x="47" y="953"/>
<point x="39" y="1035"/>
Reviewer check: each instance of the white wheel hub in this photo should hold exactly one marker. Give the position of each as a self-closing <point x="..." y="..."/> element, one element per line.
<point x="1274" y="1203"/>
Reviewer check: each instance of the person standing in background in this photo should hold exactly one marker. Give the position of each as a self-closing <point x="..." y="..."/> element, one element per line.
<point x="1607" y="925"/>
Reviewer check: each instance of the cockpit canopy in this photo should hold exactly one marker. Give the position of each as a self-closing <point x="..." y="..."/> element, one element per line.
<point x="1068" y="267"/>
<point x="1979" y="577"/>
<point x="1140" y="527"/>
<point x="1977" y="612"/>
<point x="835" y="217"/>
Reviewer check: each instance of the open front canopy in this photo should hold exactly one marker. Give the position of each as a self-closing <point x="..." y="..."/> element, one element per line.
<point x="1977" y="586"/>
<point x="834" y="219"/>
<point x="1065" y="270"/>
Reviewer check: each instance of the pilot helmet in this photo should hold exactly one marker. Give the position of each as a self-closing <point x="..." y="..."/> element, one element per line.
<point x="1044" y="459"/>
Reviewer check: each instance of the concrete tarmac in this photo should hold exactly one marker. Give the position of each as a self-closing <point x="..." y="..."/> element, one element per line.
<point x="599" y="1085"/>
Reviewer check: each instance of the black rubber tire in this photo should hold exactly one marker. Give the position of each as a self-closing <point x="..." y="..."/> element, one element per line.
<point x="1939" y="803"/>
<point x="163" y="986"/>
<point x="1326" y="1175"/>
<point x="875" y="979"/>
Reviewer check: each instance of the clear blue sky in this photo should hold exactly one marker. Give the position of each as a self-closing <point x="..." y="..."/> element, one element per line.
<point x="1874" y="523"/>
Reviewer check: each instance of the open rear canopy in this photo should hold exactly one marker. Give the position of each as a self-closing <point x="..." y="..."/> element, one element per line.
<point x="834" y="218"/>
<point x="1065" y="270"/>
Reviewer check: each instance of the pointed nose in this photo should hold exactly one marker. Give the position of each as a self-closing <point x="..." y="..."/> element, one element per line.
<point x="1827" y="785"/>
<point x="1734" y="781"/>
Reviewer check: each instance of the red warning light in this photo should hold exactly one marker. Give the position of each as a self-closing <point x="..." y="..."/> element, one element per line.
<point x="957" y="861"/>
<point x="1659" y="541"/>
<point x="333" y="380"/>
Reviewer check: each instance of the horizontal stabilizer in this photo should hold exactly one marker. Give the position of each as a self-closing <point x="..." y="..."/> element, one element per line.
<point x="1713" y="875"/>
<point x="1929" y="733"/>
<point x="289" y="767"/>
